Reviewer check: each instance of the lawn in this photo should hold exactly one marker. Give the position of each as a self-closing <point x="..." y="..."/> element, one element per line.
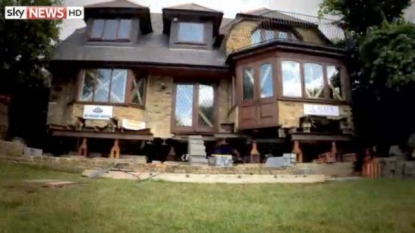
<point x="100" y="206"/>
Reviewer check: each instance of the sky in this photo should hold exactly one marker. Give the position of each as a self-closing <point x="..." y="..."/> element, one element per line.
<point x="229" y="7"/>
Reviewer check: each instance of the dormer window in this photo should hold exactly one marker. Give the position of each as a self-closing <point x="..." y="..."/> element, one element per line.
<point x="189" y="32"/>
<point x="265" y="35"/>
<point x="111" y="30"/>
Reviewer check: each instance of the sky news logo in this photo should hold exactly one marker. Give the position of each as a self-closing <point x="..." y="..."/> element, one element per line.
<point x="44" y="12"/>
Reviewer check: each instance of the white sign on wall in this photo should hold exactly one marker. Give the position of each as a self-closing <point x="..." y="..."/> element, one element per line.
<point x="321" y="110"/>
<point x="96" y="112"/>
<point x="133" y="125"/>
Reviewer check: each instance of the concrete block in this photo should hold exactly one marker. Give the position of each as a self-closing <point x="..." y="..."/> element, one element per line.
<point x="12" y="148"/>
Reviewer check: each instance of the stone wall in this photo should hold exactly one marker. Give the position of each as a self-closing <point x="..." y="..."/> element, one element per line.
<point x="79" y="164"/>
<point x="334" y="170"/>
<point x="289" y="113"/>
<point x="4" y="120"/>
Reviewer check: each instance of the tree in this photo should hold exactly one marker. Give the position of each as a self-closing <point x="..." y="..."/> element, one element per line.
<point x="388" y="52"/>
<point x="25" y="45"/>
<point x="25" y="49"/>
<point x="359" y="15"/>
<point x="380" y="61"/>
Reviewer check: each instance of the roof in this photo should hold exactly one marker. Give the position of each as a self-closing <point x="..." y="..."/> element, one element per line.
<point x="268" y="13"/>
<point x="150" y="48"/>
<point x="265" y="12"/>
<point x="115" y="4"/>
<point x="191" y="7"/>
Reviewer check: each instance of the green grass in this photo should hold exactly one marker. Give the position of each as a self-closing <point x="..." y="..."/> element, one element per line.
<point x="100" y="206"/>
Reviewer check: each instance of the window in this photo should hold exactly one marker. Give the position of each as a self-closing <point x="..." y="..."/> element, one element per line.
<point x="190" y="32"/>
<point x="138" y="88"/>
<point x="291" y="79"/>
<point x="266" y="81"/>
<point x="334" y="82"/>
<point x="314" y="80"/>
<point x="263" y="35"/>
<point x="321" y="81"/>
<point x="248" y="84"/>
<point x="194" y="108"/>
<point x="110" y="86"/>
<point x="184" y="105"/>
<point x="104" y="85"/>
<point x="111" y="30"/>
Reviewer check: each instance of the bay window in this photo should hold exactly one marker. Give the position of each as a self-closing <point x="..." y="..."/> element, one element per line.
<point x="263" y="35"/>
<point x="291" y="79"/>
<point x="321" y="81"/>
<point x="110" y="86"/>
<point x="313" y="80"/>
<point x="266" y="81"/>
<point x="248" y="84"/>
<point x="334" y="82"/>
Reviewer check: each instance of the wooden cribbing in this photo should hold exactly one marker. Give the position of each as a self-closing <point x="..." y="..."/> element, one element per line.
<point x="255" y="156"/>
<point x="298" y="152"/>
<point x="115" y="150"/>
<point x="371" y="169"/>
<point x="83" y="149"/>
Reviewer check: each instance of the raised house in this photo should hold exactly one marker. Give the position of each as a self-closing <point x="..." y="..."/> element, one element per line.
<point x="135" y="82"/>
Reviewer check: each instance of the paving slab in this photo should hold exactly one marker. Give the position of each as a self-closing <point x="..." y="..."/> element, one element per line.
<point x="51" y="182"/>
<point x="213" y="178"/>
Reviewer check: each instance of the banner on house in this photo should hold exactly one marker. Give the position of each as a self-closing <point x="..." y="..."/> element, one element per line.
<point x="133" y="125"/>
<point x="96" y="112"/>
<point x="321" y="110"/>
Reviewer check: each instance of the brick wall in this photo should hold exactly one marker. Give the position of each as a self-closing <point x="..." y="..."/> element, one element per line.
<point x="159" y="105"/>
<point x="157" y="113"/>
<point x="289" y="113"/>
<point x="240" y="36"/>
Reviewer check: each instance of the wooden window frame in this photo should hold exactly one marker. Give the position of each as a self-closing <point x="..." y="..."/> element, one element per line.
<point x="194" y="128"/>
<point x="128" y="91"/>
<point x="323" y="67"/>
<point x="326" y="98"/>
<point x="292" y="36"/>
<point x="254" y="69"/>
<point x="116" y="39"/>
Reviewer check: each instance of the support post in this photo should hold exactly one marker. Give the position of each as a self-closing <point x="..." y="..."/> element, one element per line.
<point x="83" y="149"/>
<point x="298" y="152"/>
<point x="334" y="151"/>
<point x="255" y="157"/>
<point x="171" y="156"/>
<point x="115" y="150"/>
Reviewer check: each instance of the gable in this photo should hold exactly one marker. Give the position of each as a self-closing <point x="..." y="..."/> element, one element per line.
<point x="239" y="33"/>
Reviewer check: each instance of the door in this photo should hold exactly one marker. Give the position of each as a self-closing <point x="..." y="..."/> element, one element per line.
<point x="194" y="108"/>
<point x="248" y="115"/>
<point x="266" y="100"/>
<point x="258" y="106"/>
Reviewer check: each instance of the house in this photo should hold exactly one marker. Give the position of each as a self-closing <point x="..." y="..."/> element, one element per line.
<point x="132" y="78"/>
